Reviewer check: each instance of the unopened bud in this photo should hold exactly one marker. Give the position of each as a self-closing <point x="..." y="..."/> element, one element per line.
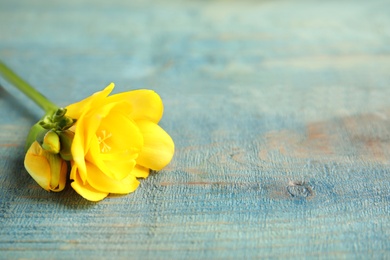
<point x="37" y="132"/>
<point x="66" y="139"/>
<point x="46" y="168"/>
<point x="51" y="142"/>
<point x="57" y="120"/>
<point x="60" y="112"/>
<point x="65" y="123"/>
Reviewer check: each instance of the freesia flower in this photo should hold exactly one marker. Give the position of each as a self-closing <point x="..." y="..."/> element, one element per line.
<point x="116" y="141"/>
<point x="109" y="141"/>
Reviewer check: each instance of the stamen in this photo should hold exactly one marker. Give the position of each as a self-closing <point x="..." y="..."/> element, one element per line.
<point x="105" y="147"/>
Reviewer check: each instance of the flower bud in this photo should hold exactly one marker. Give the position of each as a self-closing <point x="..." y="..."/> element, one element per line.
<point x="65" y="123"/>
<point x="66" y="139"/>
<point x="60" y="112"/>
<point x="51" y="142"/>
<point x="46" y="168"/>
<point x="57" y="121"/>
<point x="37" y="132"/>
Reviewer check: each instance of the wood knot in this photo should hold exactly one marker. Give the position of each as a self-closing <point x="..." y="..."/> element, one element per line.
<point x="299" y="189"/>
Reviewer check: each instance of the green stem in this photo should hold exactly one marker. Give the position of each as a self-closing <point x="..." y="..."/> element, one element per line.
<point x="27" y="89"/>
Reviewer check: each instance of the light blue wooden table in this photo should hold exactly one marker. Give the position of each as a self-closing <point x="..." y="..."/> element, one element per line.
<point x="279" y="110"/>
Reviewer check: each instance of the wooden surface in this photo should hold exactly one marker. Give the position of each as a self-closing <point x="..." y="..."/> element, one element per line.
<point x="279" y="111"/>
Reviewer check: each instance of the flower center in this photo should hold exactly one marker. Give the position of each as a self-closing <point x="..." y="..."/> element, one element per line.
<point x="104" y="147"/>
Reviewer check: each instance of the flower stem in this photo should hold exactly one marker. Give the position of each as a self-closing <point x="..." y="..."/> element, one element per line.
<point x="27" y="89"/>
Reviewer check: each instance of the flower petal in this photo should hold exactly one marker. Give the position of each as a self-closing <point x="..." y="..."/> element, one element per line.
<point x="58" y="169"/>
<point x="115" y="165"/>
<point x="119" y="146"/>
<point x="85" y="131"/>
<point x="62" y="180"/>
<point x="38" y="166"/>
<point x="158" y="147"/>
<point x="140" y="172"/>
<point x="76" y="109"/>
<point x="82" y="138"/>
<point x="84" y="189"/>
<point x="78" y="149"/>
<point x="146" y="104"/>
<point x="98" y="180"/>
<point x="126" y="136"/>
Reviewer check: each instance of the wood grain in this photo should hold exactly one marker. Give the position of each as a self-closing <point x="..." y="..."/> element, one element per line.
<point x="279" y="111"/>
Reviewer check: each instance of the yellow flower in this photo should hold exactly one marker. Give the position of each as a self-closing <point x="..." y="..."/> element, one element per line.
<point x="46" y="168"/>
<point x="116" y="141"/>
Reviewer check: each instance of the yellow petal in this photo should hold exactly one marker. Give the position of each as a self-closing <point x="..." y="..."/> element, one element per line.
<point x="85" y="190"/>
<point x="85" y="131"/>
<point x="78" y="149"/>
<point x="116" y="147"/>
<point x="38" y="166"/>
<point x="73" y="170"/>
<point x="98" y="180"/>
<point x="75" y="110"/>
<point x="108" y="119"/>
<point x="58" y="170"/>
<point x="62" y="180"/>
<point x="140" y="172"/>
<point x="145" y="104"/>
<point x="125" y="134"/>
<point x="158" y="147"/>
<point x="120" y="169"/>
<point x="115" y="165"/>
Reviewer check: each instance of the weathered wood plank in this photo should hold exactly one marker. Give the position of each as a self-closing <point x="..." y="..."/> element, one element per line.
<point x="279" y="111"/>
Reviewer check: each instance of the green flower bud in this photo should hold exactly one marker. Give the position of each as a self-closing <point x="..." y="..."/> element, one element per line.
<point x="66" y="139"/>
<point x="65" y="123"/>
<point x="51" y="142"/>
<point x="60" y="112"/>
<point x="57" y="121"/>
<point x="37" y="132"/>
